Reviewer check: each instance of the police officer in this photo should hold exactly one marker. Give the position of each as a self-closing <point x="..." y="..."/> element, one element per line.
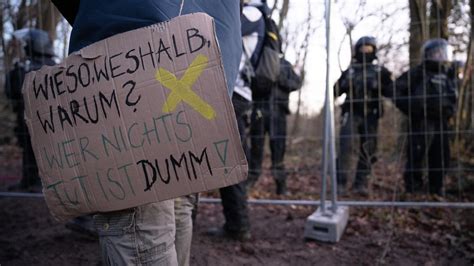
<point x="38" y="51"/>
<point x="427" y="95"/>
<point x="364" y="83"/>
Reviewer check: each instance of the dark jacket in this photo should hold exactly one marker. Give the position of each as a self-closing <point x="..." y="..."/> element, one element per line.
<point x="13" y="84"/>
<point x="95" y="20"/>
<point x="288" y="81"/>
<point x="426" y="91"/>
<point x="364" y="86"/>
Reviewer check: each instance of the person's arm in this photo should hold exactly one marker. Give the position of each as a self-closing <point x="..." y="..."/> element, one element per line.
<point x="388" y="88"/>
<point x="401" y="92"/>
<point x="288" y="80"/>
<point x="68" y="8"/>
<point x="13" y="84"/>
<point x="341" y="85"/>
<point x="8" y="85"/>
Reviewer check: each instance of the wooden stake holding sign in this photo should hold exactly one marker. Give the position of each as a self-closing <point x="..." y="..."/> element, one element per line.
<point x="139" y="117"/>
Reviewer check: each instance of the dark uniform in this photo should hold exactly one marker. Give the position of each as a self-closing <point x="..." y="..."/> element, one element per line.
<point x="39" y="51"/>
<point x="427" y="95"/>
<point x="364" y="83"/>
<point x="269" y="117"/>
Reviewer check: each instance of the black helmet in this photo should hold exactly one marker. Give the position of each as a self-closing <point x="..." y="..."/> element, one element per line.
<point x="362" y="56"/>
<point x="35" y="42"/>
<point x="366" y="40"/>
<point x="437" y="50"/>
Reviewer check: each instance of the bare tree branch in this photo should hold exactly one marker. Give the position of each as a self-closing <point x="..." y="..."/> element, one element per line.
<point x="283" y="13"/>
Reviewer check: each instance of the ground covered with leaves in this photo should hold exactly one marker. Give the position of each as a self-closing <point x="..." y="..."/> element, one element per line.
<point x="391" y="236"/>
<point x="29" y="235"/>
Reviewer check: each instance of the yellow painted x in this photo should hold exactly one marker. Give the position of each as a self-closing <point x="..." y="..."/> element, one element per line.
<point x="181" y="90"/>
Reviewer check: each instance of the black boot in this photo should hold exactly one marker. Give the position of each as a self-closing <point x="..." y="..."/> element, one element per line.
<point x="250" y="182"/>
<point x="413" y="184"/>
<point x="360" y="185"/>
<point x="241" y="236"/>
<point x="281" y="187"/>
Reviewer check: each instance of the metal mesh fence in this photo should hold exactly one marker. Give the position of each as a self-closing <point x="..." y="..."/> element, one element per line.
<point x="397" y="139"/>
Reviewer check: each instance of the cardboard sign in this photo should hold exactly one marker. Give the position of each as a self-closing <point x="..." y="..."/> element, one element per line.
<point x="139" y="117"/>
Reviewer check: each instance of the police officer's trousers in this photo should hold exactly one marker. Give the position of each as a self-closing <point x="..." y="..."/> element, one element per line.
<point x="356" y="130"/>
<point x="427" y="148"/>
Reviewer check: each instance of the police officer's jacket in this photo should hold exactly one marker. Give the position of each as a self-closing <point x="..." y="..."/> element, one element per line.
<point x="364" y="86"/>
<point x="426" y="93"/>
<point x="13" y="84"/>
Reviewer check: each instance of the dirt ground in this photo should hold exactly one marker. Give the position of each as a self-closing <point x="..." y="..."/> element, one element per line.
<point x="30" y="236"/>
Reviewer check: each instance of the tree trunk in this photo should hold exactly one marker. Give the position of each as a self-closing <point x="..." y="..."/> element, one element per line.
<point x="4" y="50"/>
<point x="274" y="7"/>
<point x="471" y="74"/>
<point x="48" y="17"/>
<point x="302" y="56"/>
<point x="464" y="114"/>
<point x="439" y="14"/>
<point x="22" y="15"/>
<point x="468" y="80"/>
<point x="467" y="87"/>
<point x="351" y="42"/>
<point x="418" y="29"/>
<point x="65" y="38"/>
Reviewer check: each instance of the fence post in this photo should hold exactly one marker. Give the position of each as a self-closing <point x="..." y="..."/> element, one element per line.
<point x="322" y="225"/>
<point x="329" y="151"/>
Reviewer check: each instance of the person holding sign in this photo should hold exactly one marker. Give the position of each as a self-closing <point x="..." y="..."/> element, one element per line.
<point x="154" y="233"/>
